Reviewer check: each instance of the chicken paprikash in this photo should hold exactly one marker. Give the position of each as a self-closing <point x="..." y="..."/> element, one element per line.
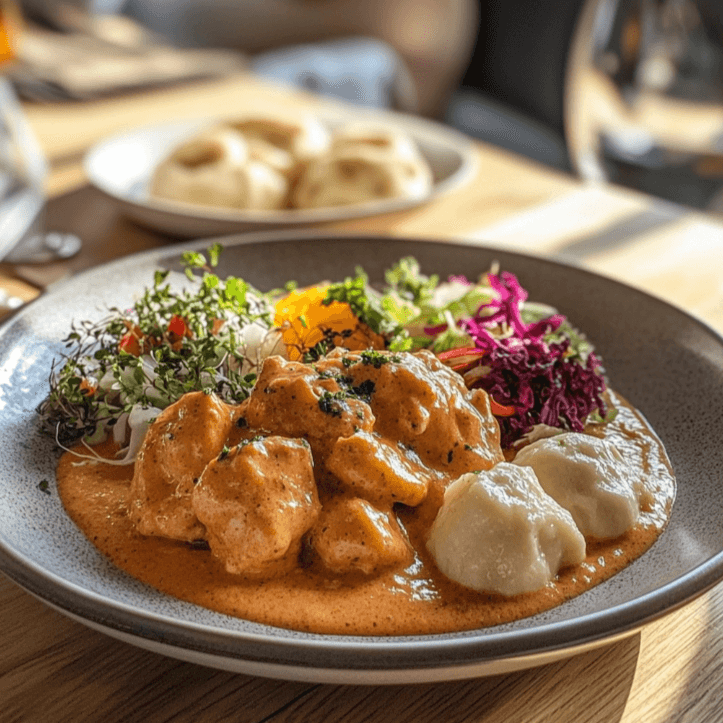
<point x="426" y="458"/>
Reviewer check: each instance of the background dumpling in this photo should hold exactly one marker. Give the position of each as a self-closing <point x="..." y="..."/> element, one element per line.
<point x="498" y="531"/>
<point x="364" y="164"/>
<point x="206" y="169"/>
<point x="265" y="188"/>
<point x="217" y="169"/>
<point x="284" y="142"/>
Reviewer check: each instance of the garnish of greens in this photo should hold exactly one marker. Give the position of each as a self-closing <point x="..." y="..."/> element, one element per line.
<point x="120" y="372"/>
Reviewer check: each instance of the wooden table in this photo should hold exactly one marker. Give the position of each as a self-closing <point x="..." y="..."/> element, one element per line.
<point x="53" y="669"/>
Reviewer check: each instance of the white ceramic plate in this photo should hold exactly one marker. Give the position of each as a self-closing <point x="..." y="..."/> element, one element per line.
<point x="122" y="167"/>
<point x="667" y="363"/>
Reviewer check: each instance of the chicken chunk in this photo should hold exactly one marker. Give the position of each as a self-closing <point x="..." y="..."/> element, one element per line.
<point x="256" y="501"/>
<point x="352" y="535"/>
<point x="420" y="402"/>
<point x="297" y="400"/>
<point x="174" y="453"/>
<point x="404" y="399"/>
<point x="378" y="471"/>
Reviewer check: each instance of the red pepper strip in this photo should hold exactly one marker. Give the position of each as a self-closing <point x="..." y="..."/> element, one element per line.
<point x="462" y="351"/>
<point x="129" y="343"/>
<point x="463" y="368"/>
<point x="464" y="358"/>
<point x="177" y="326"/>
<point x="501" y="410"/>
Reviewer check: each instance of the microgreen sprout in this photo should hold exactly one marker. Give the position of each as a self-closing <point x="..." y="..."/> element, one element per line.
<point x="169" y="343"/>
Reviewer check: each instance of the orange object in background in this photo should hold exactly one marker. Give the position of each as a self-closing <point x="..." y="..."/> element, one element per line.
<point x="9" y="26"/>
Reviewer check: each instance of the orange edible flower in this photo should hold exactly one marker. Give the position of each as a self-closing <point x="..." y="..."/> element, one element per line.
<point x="10" y="26"/>
<point x="306" y="321"/>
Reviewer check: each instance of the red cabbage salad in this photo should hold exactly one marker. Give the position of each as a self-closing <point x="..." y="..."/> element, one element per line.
<point x="212" y="334"/>
<point x="537" y="368"/>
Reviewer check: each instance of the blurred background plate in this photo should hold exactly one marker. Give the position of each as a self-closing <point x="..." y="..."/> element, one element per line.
<point x="122" y="167"/>
<point x="666" y="362"/>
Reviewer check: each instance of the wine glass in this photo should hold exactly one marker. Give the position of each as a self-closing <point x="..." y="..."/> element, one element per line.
<point x="644" y="97"/>
<point x="23" y="170"/>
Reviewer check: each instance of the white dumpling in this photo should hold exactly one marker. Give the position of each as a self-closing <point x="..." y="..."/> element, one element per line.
<point x="264" y="188"/>
<point x="204" y="169"/>
<point x="364" y="164"/>
<point x="215" y="168"/>
<point x="303" y="136"/>
<point x="283" y="141"/>
<point x="498" y="531"/>
<point x="589" y="477"/>
<point x="353" y="136"/>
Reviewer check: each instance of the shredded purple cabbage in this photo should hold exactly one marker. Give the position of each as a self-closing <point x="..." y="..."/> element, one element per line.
<point x="544" y="383"/>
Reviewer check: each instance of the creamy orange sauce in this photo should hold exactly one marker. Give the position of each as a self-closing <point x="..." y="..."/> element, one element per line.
<point x="415" y="599"/>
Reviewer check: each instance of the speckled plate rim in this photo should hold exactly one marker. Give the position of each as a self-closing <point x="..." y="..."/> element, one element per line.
<point x="436" y="141"/>
<point x="277" y="653"/>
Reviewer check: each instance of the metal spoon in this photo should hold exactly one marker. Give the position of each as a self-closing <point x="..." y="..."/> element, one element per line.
<point x="42" y="248"/>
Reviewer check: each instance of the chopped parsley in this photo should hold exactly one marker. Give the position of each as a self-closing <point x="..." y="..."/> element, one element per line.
<point x="377" y="359"/>
<point x="364" y="390"/>
<point x="333" y="403"/>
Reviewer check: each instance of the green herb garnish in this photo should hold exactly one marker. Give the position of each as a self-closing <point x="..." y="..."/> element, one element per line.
<point x="147" y="357"/>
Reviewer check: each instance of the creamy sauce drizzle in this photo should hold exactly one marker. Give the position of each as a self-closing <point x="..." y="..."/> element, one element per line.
<point x="413" y="601"/>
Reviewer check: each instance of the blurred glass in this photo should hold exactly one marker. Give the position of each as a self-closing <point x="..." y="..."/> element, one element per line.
<point x="23" y="170"/>
<point x="22" y="167"/>
<point x="644" y="97"/>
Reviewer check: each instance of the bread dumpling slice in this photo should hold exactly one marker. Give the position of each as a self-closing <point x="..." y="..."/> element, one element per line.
<point x="499" y="532"/>
<point x="590" y="478"/>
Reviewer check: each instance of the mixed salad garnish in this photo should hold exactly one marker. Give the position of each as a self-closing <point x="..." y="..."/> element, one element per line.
<point x="213" y="334"/>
